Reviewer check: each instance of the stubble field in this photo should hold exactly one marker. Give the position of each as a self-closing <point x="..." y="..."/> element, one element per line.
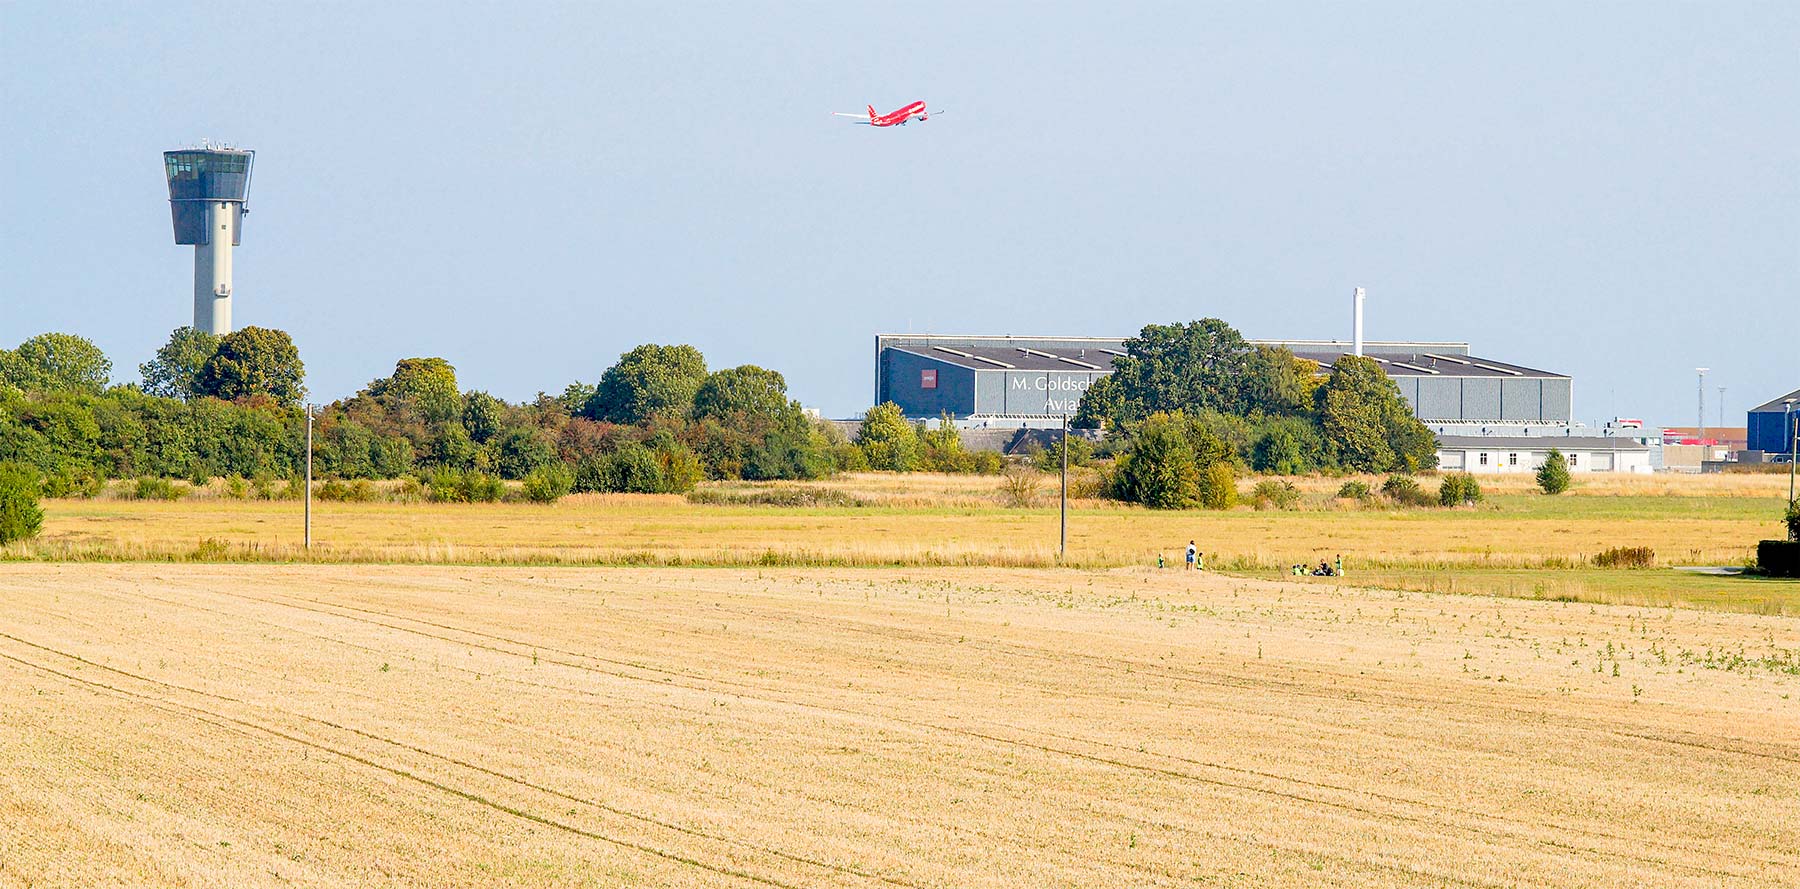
<point x="358" y="725"/>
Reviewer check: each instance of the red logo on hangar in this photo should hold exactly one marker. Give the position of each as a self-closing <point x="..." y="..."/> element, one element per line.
<point x="928" y="379"/>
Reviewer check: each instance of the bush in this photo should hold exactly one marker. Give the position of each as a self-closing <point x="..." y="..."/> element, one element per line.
<point x="1356" y="491"/>
<point x="1081" y="453"/>
<point x="1459" y="489"/>
<point x="410" y="490"/>
<point x="151" y="488"/>
<point x="1792" y="520"/>
<point x="452" y="486"/>
<point x="1626" y="557"/>
<point x="236" y="488"/>
<point x="359" y="491"/>
<point x="548" y="484"/>
<point x="1272" y="494"/>
<point x="1218" y="486"/>
<point x="1403" y="490"/>
<point x="1019" y="489"/>
<point x="20" y="517"/>
<point x="1553" y="476"/>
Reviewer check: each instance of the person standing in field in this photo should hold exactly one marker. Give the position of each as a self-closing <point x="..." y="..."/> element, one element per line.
<point x="1200" y="561"/>
<point x="1339" y="566"/>
<point x="1193" y="552"/>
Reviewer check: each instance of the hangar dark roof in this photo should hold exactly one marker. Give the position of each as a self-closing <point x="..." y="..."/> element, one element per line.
<point x="1432" y="364"/>
<point x="1397" y="364"/>
<point x="1778" y="405"/>
<point x="989" y="358"/>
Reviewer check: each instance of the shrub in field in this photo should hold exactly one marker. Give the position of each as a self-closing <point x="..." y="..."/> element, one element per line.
<point x="1626" y="557"/>
<point x="1553" y="476"/>
<point x="1792" y="520"/>
<point x="1272" y="494"/>
<point x="1354" y="490"/>
<point x="410" y="490"/>
<point x="332" y="491"/>
<point x="1081" y="453"/>
<point x="1403" y="490"/>
<point x="1161" y="470"/>
<point x="1459" y="489"/>
<point x="1218" y="486"/>
<point x="888" y="440"/>
<point x="236" y="488"/>
<point x="149" y="488"/>
<point x="453" y="486"/>
<point x="548" y="484"/>
<point x="1019" y="489"/>
<point x="20" y="517"/>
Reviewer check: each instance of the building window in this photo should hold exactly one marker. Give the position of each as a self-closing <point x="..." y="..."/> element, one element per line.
<point x="1512" y="459"/>
<point x="1484" y="459"/>
<point x="1572" y="459"/>
<point x="928" y="379"/>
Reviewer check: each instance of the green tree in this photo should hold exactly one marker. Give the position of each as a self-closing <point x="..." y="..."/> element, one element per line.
<point x="56" y="362"/>
<point x="549" y="483"/>
<point x="1367" y="424"/>
<point x="20" y="517"/>
<point x="1160" y="470"/>
<point x="1099" y="404"/>
<point x="1280" y="383"/>
<point x="523" y="449"/>
<point x="1459" y="489"/>
<point x="175" y="371"/>
<point x="1218" y="486"/>
<point x="255" y="361"/>
<point x="1175" y="367"/>
<point x="429" y="384"/>
<point x="748" y="390"/>
<point x="889" y="440"/>
<point x="483" y="416"/>
<point x="1553" y="476"/>
<point x="649" y="380"/>
<point x="1278" y="452"/>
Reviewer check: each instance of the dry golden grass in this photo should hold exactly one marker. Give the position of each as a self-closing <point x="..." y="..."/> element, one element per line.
<point x="247" y="726"/>
<point x="937" y="520"/>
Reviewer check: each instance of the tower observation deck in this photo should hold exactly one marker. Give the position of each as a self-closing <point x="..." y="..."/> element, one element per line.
<point x="208" y="188"/>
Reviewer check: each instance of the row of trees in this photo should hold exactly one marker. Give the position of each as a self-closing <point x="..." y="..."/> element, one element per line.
<point x="657" y="421"/>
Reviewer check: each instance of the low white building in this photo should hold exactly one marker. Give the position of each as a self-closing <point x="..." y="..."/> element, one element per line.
<point x="1497" y="453"/>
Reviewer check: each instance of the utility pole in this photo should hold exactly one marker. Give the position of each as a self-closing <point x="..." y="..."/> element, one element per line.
<point x="1062" y="552"/>
<point x="1700" y="428"/>
<point x="1721" y="407"/>
<point x="1793" y="431"/>
<point x="308" y="495"/>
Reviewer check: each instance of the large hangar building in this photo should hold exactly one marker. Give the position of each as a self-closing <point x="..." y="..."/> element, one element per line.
<point x="1022" y="381"/>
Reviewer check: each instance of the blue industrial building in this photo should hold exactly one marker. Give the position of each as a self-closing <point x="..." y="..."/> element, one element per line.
<point x="1025" y="381"/>
<point x="1770" y="427"/>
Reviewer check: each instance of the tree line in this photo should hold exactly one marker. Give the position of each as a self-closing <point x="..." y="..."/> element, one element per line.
<point x="656" y="421"/>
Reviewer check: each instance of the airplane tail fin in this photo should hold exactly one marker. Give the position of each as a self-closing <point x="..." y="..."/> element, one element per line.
<point x="871" y="112"/>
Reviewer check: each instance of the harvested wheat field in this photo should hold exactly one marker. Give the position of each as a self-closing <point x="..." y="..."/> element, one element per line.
<point x="259" y="725"/>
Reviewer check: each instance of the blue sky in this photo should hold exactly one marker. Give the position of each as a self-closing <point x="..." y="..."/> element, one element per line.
<point x="1606" y="190"/>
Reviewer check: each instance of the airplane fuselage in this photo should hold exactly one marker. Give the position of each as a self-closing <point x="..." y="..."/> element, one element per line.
<point x="915" y="111"/>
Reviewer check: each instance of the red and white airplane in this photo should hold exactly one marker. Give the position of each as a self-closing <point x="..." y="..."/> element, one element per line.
<point x="915" y="111"/>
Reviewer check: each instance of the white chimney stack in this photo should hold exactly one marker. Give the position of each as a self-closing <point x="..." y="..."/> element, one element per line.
<point x="1359" y="337"/>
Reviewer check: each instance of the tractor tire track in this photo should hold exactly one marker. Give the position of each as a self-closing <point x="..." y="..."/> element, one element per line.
<point x="758" y="694"/>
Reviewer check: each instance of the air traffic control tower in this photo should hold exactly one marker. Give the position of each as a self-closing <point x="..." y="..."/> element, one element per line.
<point x="207" y="190"/>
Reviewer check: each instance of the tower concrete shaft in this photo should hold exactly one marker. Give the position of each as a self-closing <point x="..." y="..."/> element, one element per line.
<point x="208" y="190"/>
